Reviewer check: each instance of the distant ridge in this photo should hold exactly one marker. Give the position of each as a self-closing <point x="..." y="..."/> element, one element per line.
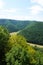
<point x="14" y="25"/>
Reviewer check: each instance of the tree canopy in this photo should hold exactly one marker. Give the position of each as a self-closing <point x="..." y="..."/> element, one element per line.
<point x="4" y="37"/>
<point x="20" y="53"/>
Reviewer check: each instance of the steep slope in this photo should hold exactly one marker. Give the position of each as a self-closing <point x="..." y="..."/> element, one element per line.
<point x="14" y="25"/>
<point x="34" y="33"/>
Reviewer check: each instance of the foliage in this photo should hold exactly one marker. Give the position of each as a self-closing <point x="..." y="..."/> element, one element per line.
<point x="15" y="39"/>
<point x="34" y="33"/>
<point x="4" y="37"/>
<point x="14" y="50"/>
<point x="20" y="53"/>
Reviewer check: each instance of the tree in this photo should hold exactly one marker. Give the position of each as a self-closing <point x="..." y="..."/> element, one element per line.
<point x="20" y="53"/>
<point x="17" y="39"/>
<point x="4" y="37"/>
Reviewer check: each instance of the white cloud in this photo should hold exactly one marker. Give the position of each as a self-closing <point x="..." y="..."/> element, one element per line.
<point x="14" y="13"/>
<point x="2" y="3"/>
<point x="9" y="10"/>
<point x="38" y="2"/>
<point x="34" y="10"/>
<point x="21" y="17"/>
<point x="17" y="17"/>
<point x="8" y="13"/>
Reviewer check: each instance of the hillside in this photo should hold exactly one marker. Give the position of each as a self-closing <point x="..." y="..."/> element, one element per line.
<point x="33" y="33"/>
<point x="14" y="50"/>
<point x="31" y="44"/>
<point x="31" y="30"/>
<point x="14" y="25"/>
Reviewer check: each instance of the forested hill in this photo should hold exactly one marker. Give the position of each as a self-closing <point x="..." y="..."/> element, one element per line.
<point x="33" y="33"/>
<point x="14" y="25"/>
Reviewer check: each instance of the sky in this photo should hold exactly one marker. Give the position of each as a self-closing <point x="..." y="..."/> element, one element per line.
<point x="21" y="9"/>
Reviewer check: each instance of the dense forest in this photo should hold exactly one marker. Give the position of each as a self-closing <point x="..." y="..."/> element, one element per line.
<point x="14" y="50"/>
<point x="33" y="33"/>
